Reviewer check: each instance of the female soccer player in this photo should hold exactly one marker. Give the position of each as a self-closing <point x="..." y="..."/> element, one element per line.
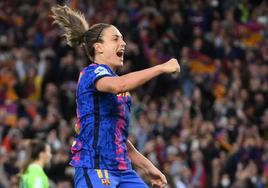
<point x="33" y="175"/>
<point x="102" y="154"/>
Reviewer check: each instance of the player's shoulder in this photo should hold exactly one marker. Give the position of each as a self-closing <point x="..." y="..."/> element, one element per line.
<point x="34" y="169"/>
<point x="98" y="70"/>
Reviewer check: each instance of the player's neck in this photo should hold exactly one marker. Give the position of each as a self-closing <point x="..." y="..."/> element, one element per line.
<point x="39" y="163"/>
<point x="99" y="60"/>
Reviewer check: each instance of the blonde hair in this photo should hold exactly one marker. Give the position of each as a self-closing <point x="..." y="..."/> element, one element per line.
<point x="77" y="30"/>
<point x="73" y="23"/>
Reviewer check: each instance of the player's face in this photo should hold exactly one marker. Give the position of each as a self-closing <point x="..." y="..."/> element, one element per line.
<point x="48" y="154"/>
<point x="113" y="47"/>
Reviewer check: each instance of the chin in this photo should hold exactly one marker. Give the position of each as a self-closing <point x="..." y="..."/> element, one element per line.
<point x="120" y="63"/>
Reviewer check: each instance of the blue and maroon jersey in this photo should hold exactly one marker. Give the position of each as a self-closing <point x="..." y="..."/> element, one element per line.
<point x="103" y="122"/>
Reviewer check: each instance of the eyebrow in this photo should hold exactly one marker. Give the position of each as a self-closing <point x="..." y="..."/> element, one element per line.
<point x="118" y="36"/>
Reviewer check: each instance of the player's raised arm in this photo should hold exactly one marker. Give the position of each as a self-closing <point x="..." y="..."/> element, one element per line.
<point x="135" y="79"/>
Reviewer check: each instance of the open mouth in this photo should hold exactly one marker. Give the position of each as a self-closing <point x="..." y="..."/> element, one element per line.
<point x="120" y="54"/>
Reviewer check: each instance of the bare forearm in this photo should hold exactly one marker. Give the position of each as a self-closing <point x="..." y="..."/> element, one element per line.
<point x="137" y="158"/>
<point x="130" y="81"/>
<point x="156" y="177"/>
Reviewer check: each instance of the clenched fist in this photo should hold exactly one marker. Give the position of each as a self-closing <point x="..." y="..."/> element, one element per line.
<point x="171" y="66"/>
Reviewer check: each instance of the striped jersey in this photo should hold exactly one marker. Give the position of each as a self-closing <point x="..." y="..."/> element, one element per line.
<point x="102" y="125"/>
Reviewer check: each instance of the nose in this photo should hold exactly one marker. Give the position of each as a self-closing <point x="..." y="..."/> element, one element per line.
<point x="123" y="43"/>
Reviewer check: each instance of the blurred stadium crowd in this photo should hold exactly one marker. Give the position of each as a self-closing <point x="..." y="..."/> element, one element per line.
<point x="204" y="128"/>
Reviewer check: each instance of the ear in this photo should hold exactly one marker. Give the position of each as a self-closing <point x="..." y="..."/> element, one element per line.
<point x="40" y="156"/>
<point x="98" y="47"/>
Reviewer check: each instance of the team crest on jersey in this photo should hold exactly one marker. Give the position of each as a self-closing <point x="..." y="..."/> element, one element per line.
<point x="105" y="182"/>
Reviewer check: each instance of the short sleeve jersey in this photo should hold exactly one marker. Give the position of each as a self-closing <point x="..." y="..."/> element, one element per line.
<point x="34" y="177"/>
<point x="103" y="122"/>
